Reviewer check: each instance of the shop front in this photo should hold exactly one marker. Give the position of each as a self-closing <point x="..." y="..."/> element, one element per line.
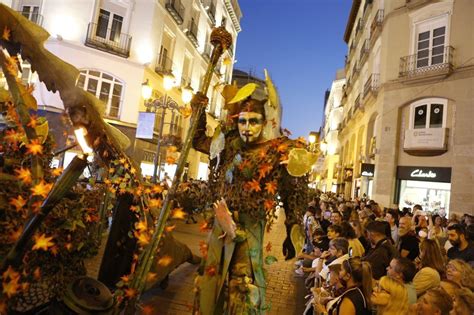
<point x="367" y="171"/>
<point x="429" y="187"/>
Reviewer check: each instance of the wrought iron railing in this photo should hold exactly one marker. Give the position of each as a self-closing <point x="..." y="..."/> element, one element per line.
<point x="33" y="17"/>
<point x="376" y="24"/>
<point x="356" y="103"/>
<point x="364" y="52"/>
<point x="359" y="28"/>
<point x="191" y="33"/>
<point x="372" y="84"/>
<point x="437" y="61"/>
<point x="212" y="11"/>
<point x="176" y="10"/>
<point x="111" y="41"/>
<point x="164" y="64"/>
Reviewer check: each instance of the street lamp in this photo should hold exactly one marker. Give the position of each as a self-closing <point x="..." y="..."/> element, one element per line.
<point x="164" y="104"/>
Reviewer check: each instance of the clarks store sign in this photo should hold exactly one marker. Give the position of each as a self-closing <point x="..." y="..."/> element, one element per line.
<point x="430" y="174"/>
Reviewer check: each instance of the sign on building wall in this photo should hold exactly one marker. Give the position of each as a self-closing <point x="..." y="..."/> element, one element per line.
<point x="425" y="139"/>
<point x="428" y="174"/>
<point x="367" y="170"/>
<point x="145" y="126"/>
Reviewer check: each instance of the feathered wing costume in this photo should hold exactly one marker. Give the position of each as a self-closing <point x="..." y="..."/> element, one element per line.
<point x="246" y="180"/>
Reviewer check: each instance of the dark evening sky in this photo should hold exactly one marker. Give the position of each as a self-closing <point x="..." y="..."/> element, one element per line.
<point x="301" y="44"/>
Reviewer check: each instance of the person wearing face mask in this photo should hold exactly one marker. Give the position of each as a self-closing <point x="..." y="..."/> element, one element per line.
<point x="356" y="277"/>
<point x="390" y="297"/>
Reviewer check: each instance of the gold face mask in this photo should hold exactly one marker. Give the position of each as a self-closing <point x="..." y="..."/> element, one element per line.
<point x="250" y="126"/>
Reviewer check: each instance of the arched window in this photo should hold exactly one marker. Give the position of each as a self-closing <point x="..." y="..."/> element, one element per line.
<point x="428" y="113"/>
<point x="105" y="87"/>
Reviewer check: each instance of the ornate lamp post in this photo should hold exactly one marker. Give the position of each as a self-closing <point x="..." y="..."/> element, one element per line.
<point x="164" y="104"/>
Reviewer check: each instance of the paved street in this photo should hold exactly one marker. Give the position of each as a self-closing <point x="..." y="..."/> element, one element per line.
<point x="285" y="292"/>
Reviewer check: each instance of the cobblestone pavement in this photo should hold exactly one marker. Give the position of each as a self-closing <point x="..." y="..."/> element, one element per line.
<point x="285" y="292"/>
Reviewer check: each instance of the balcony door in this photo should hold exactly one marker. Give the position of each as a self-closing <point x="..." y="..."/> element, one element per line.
<point x="109" y="26"/>
<point x="430" y="44"/>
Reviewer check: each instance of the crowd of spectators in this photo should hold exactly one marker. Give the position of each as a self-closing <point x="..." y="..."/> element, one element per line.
<point x="361" y="259"/>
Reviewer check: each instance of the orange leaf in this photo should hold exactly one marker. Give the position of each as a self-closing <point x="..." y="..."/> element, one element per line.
<point x="178" y="213"/>
<point x="11" y="287"/>
<point x="269" y="204"/>
<point x="57" y="171"/>
<point x="18" y="202"/>
<point x="10" y="273"/>
<point x="170" y="160"/>
<point x="6" y="34"/>
<point x="130" y="293"/>
<point x="154" y="202"/>
<point x="12" y="137"/>
<point x="24" y="175"/>
<point x="264" y="170"/>
<point x="253" y="185"/>
<point x="157" y="189"/>
<point x="148" y="310"/>
<point x="268" y="248"/>
<point x="141" y="226"/>
<point x="125" y="278"/>
<point x="42" y="242"/>
<point x="186" y="111"/>
<point x="35" y="147"/>
<point x="282" y="147"/>
<point x="15" y="235"/>
<point x="143" y="237"/>
<point x="33" y="121"/>
<point x="151" y="276"/>
<point x="41" y="189"/>
<point x="134" y="208"/>
<point x="165" y="261"/>
<point x="244" y="164"/>
<point x="271" y="187"/>
<point x="170" y="228"/>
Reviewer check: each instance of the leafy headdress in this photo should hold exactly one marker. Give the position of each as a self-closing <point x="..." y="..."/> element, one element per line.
<point x="238" y="100"/>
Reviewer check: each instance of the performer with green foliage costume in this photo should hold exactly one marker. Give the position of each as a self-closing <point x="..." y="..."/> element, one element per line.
<point x="250" y="164"/>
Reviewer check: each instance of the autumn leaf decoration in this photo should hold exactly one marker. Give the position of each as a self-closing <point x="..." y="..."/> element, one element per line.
<point x="42" y="242"/>
<point x="41" y="189"/>
<point x="253" y="185"/>
<point x="35" y="147"/>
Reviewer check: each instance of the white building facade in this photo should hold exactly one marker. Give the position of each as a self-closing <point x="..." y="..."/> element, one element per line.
<point x="119" y="44"/>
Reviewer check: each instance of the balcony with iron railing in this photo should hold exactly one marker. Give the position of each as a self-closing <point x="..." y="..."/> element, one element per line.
<point x="164" y="64"/>
<point x="108" y="40"/>
<point x="376" y="26"/>
<point x="355" y="71"/>
<point x="191" y="33"/>
<point x="207" y="52"/>
<point x="176" y="9"/>
<point x="359" y="29"/>
<point x="437" y="62"/>
<point x="33" y="17"/>
<point x="371" y="86"/>
<point x="364" y="53"/>
<point x="357" y="104"/>
<point x="211" y="12"/>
